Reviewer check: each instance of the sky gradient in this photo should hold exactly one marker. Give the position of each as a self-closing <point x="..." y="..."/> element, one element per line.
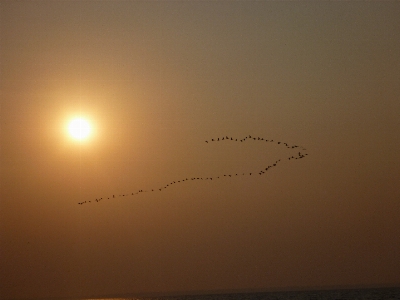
<point x="158" y="79"/>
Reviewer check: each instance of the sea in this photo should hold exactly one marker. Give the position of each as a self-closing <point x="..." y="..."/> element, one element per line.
<point x="337" y="294"/>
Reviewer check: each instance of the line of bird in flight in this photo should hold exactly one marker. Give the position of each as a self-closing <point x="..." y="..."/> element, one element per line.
<point x="299" y="155"/>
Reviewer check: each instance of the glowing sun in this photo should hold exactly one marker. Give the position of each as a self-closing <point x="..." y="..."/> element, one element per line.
<point x="79" y="128"/>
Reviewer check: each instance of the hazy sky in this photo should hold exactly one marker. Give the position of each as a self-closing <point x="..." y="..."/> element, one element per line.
<point x="156" y="80"/>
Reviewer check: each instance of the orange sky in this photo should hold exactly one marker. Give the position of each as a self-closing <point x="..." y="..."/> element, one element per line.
<point x="158" y="79"/>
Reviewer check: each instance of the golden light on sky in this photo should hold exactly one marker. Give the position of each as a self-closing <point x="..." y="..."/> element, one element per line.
<point x="79" y="129"/>
<point x="101" y="100"/>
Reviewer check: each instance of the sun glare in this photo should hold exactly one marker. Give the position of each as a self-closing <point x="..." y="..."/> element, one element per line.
<point x="79" y="129"/>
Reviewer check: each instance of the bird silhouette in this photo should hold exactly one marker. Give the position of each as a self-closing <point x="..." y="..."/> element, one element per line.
<point x="299" y="155"/>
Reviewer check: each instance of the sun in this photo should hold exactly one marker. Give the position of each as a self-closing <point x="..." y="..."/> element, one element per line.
<point x="79" y="129"/>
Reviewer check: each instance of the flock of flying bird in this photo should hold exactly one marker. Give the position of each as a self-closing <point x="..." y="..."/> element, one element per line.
<point x="298" y="155"/>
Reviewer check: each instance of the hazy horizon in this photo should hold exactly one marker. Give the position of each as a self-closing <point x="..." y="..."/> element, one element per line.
<point x="242" y="291"/>
<point x="155" y="80"/>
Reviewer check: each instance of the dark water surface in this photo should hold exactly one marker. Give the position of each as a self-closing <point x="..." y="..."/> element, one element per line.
<point x="340" y="294"/>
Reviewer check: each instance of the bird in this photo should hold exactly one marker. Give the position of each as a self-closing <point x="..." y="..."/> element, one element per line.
<point x="299" y="155"/>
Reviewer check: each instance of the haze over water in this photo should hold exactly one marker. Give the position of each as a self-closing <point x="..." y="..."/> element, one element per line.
<point x="156" y="80"/>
